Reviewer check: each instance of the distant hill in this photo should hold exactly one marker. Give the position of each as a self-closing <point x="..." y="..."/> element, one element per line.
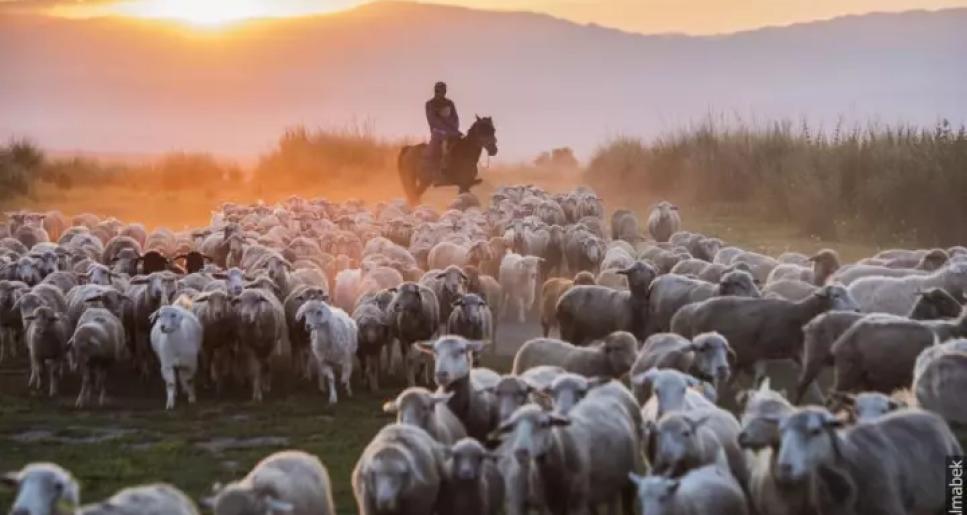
<point x="115" y="85"/>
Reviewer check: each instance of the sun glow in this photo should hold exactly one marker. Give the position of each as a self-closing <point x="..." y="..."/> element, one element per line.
<point x="201" y="13"/>
<point x="198" y="12"/>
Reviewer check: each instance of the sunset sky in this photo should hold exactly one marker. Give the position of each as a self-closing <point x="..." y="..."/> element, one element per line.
<point x="645" y="16"/>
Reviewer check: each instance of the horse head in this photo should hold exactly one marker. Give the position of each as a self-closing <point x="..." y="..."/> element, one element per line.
<point x="484" y="133"/>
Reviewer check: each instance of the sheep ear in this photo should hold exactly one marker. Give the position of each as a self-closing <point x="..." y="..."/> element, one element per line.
<point x="153" y="317"/>
<point x="11" y="479"/>
<point x="424" y="346"/>
<point x="645" y="377"/>
<point x="558" y="420"/>
<point x="139" y="281"/>
<point x="597" y="381"/>
<point x="696" y="422"/>
<point x="635" y="478"/>
<point x="477" y="345"/>
<point x="390" y="407"/>
<point x="441" y="397"/>
<point x="673" y="486"/>
<point x="764" y="384"/>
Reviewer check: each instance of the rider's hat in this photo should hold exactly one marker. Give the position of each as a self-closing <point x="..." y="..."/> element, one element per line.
<point x="440" y="85"/>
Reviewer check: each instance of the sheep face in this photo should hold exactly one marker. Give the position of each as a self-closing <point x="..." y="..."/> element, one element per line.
<point x="530" y="431"/>
<point x="48" y="262"/>
<point x="416" y="406"/>
<point x="453" y="358"/>
<point x="738" y="283"/>
<point x="511" y="393"/>
<point x="315" y="314"/>
<point x="99" y="274"/>
<point x="111" y="300"/>
<point x="934" y="304"/>
<point x="567" y="390"/>
<point x="159" y="288"/>
<point x="235" y="279"/>
<point x="621" y="350"/>
<point x="168" y="319"/>
<point x="43" y="489"/>
<point x="215" y="304"/>
<point x="277" y="268"/>
<point x="472" y="308"/>
<point x="677" y="444"/>
<point x="835" y="297"/>
<point x="712" y="354"/>
<point x="85" y="342"/>
<point x="656" y="494"/>
<point x="467" y="459"/>
<point x="640" y="276"/>
<point x="807" y="441"/>
<point x="454" y="281"/>
<point x="126" y="261"/>
<point x="42" y="317"/>
<point x="236" y="499"/>
<point x="530" y="267"/>
<point x="869" y="406"/>
<point x="27" y="303"/>
<point x="249" y="305"/>
<point x="409" y="299"/>
<point x="387" y="476"/>
<point x="28" y="271"/>
<point x="669" y="387"/>
<point x="764" y="410"/>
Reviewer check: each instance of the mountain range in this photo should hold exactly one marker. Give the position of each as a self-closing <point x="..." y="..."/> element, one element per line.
<point x="122" y="85"/>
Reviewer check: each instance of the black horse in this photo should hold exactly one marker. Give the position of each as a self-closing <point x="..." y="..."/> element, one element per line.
<point x="461" y="163"/>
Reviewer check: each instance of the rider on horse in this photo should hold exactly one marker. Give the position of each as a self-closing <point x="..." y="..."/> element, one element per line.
<point x="441" y="114"/>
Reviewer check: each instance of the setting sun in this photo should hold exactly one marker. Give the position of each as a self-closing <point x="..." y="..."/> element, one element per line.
<point x="208" y="12"/>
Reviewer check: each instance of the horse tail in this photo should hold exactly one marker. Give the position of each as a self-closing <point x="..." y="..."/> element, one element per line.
<point x="399" y="158"/>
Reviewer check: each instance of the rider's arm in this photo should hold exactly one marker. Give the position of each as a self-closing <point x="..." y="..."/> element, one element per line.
<point x="437" y="123"/>
<point x="454" y="119"/>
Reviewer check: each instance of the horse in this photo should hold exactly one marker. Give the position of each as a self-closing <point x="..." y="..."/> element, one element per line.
<point x="461" y="162"/>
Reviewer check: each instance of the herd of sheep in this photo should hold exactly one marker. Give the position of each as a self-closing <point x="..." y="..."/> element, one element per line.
<point x="638" y="405"/>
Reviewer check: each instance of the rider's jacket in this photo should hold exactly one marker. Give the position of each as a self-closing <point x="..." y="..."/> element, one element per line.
<point x="441" y="114"/>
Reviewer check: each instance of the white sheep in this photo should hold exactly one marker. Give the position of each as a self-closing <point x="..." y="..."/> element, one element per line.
<point x="176" y="338"/>
<point x="334" y="341"/>
<point x="897" y="295"/>
<point x="291" y="482"/>
<point x="518" y="277"/>
<point x="709" y="490"/>
<point x="399" y="472"/>
<point x="154" y="499"/>
<point x="663" y="221"/>
<point x="417" y="406"/>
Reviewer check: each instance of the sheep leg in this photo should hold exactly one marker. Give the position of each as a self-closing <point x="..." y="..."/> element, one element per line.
<point x="100" y="377"/>
<point x="347" y="373"/>
<point x="168" y="374"/>
<point x="521" y="311"/>
<point x="330" y="382"/>
<point x="33" y="381"/>
<point x="408" y="366"/>
<point x="53" y="370"/>
<point x="255" y="368"/>
<point x="187" y="379"/>
<point x="82" y="396"/>
<point x="372" y="364"/>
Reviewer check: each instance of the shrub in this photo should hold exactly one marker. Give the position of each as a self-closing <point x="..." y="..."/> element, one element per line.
<point x="888" y="182"/>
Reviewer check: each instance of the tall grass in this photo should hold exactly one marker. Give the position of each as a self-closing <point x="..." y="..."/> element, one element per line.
<point x="328" y="158"/>
<point x="888" y="183"/>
